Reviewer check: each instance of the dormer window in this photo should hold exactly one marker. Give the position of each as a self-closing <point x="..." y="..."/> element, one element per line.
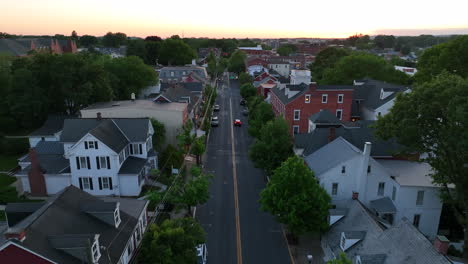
<point x="117" y="217"/>
<point x="96" y="253"/>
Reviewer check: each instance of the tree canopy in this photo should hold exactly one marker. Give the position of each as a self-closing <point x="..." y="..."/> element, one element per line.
<point x="247" y="90"/>
<point x="295" y="198"/>
<point x="236" y="62"/>
<point x="272" y="146"/>
<point x="245" y="78"/>
<point x="433" y="119"/>
<point x="361" y="65"/>
<point x="172" y="242"/>
<point x="342" y="259"/>
<point x="326" y="58"/>
<point x="176" y="52"/>
<point x="114" y="40"/>
<point x="286" y="49"/>
<point x="259" y="115"/>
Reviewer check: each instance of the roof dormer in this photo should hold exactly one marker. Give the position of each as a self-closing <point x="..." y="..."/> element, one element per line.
<point x="107" y="212"/>
<point x="84" y="247"/>
<point x="384" y="93"/>
<point x="351" y="238"/>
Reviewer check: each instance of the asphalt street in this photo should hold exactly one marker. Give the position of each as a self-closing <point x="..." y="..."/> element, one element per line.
<point x="261" y="238"/>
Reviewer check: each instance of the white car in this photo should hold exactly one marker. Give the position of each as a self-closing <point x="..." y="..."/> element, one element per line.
<point x="202" y="252"/>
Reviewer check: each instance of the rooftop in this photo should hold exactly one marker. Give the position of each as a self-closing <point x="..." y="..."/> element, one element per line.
<point x="137" y="104"/>
<point x="409" y="173"/>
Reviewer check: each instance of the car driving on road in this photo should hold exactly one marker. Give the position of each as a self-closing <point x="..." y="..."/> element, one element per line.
<point x="242" y="102"/>
<point x="216" y="108"/>
<point x="237" y="122"/>
<point x="214" y="121"/>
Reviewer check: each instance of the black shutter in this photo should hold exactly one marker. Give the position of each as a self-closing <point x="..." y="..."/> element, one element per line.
<point x="97" y="163"/>
<point x="81" y="183"/>
<point x="100" y="183"/>
<point x="96" y="145"/>
<point x="131" y="149"/>
<point x="77" y="162"/>
<point x="141" y="149"/>
<point x="90" y="182"/>
<point x="89" y="163"/>
<point x="108" y="163"/>
<point x="110" y="183"/>
<point x="86" y="144"/>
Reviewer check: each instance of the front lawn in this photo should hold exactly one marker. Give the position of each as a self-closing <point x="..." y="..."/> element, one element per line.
<point x="8" y="162"/>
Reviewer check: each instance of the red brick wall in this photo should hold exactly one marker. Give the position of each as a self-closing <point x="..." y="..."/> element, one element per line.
<point x="17" y="255"/>
<point x="315" y="105"/>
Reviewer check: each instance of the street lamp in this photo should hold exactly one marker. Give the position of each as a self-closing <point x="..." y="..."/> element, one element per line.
<point x="309" y="258"/>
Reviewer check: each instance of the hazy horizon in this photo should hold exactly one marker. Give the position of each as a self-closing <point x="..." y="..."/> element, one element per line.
<point x="240" y="19"/>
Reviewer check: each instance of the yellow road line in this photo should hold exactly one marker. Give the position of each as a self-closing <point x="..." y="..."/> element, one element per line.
<point x="236" y="197"/>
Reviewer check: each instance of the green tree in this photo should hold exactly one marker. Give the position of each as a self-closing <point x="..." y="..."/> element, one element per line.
<point x="384" y="41"/>
<point x="266" y="47"/>
<point x="433" y="119"/>
<point x="245" y="78"/>
<point x="258" y="117"/>
<point x="236" y="62"/>
<point x="114" y="40"/>
<point x="326" y="58"/>
<point x="286" y="49"/>
<point x="152" y="52"/>
<point x="129" y="75"/>
<point x="170" y="158"/>
<point x="342" y="259"/>
<point x="199" y="148"/>
<point x="450" y="56"/>
<point x="212" y="65"/>
<point x="159" y="136"/>
<point x="172" y="242"/>
<point x="247" y="90"/>
<point x="186" y="138"/>
<point x="136" y="47"/>
<point x="273" y="145"/>
<point x="295" y="198"/>
<point x="191" y="193"/>
<point x="74" y="35"/>
<point x="88" y="41"/>
<point x="361" y="65"/>
<point x="176" y="52"/>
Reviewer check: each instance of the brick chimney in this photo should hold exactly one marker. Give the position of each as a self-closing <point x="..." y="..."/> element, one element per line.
<point x="98" y="116"/>
<point x="19" y="235"/>
<point x="331" y="134"/>
<point x="441" y="244"/>
<point x="36" y="176"/>
<point x="355" y="196"/>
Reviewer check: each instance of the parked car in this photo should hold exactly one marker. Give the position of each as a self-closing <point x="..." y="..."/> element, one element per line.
<point x="245" y="112"/>
<point x="237" y="122"/>
<point x="242" y="102"/>
<point x="216" y="108"/>
<point x="202" y="252"/>
<point x="214" y="121"/>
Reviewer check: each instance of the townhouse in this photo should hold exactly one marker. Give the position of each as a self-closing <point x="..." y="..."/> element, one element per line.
<point x="74" y="227"/>
<point x="100" y="156"/>
<point x="297" y="102"/>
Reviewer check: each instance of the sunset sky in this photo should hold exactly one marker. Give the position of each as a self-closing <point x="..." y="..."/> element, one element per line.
<point x="239" y="18"/>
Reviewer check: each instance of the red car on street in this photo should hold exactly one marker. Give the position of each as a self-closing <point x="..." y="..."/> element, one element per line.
<point x="237" y="122"/>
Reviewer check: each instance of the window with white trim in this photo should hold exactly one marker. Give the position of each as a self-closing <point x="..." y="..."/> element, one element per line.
<point x="83" y="162"/>
<point x="172" y="74"/>
<point x="86" y="183"/>
<point x="105" y="183"/>
<point x="297" y="114"/>
<point x="340" y="98"/>
<point x="91" y="144"/>
<point x="103" y="162"/>
<point x="335" y="188"/>
<point x="420" y="198"/>
<point x="381" y="189"/>
<point x="295" y="129"/>
<point x="136" y="149"/>
<point x="324" y="98"/>
<point x="307" y="98"/>
<point x="96" y="253"/>
<point x="339" y="113"/>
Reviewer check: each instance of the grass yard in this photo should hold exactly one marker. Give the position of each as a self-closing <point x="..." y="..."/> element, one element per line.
<point x="8" y="162"/>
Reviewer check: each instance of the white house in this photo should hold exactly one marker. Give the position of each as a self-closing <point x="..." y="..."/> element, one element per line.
<point x="411" y="71"/>
<point x="300" y="76"/>
<point x="100" y="156"/>
<point x="393" y="189"/>
<point x="280" y="66"/>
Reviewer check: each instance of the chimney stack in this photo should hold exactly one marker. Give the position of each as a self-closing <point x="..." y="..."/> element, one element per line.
<point x="355" y="195"/>
<point x="331" y="134"/>
<point x="367" y="149"/>
<point x="36" y="175"/>
<point x="441" y="244"/>
<point x="98" y="116"/>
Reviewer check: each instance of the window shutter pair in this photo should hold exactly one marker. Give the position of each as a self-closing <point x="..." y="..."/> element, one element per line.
<point x="100" y="183"/>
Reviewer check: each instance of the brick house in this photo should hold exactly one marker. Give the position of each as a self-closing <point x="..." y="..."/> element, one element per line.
<point x="296" y="103"/>
<point x="264" y="83"/>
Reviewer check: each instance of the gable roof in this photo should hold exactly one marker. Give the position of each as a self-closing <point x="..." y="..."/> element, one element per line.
<point x="409" y="173"/>
<point x="52" y="125"/>
<point x="324" y="117"/>
<point x="383" y="205"/>
<point x="330" y="155"/>
<point x="114" y="132"/>
<point x="281" y="93"/>
<point x="370" y="90"/>
<point x="357" y="136"/>
<point x="50" y="156"/>
<point x="62" y="215"/>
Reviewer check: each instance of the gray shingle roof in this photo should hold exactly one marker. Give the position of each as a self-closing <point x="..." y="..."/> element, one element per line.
<point x="14" y="47"/>
<point x="330" y="155"/>
<point x="62" y="215"/>
<point x="311" y="142"/>
<point x="280" y="93"/>
<point x="383" y="205"/>
<point x="373" y="259"/>
<point x="324" y="117"/>
<point x="132" y="165"/>
<point x="335" y="87"/>
<point x="52" y="125"/>
<point x="49" y="147"/>
<point x="355" y="234"/>
<point x="113" y="131"/>
<point x="369" y="92"/>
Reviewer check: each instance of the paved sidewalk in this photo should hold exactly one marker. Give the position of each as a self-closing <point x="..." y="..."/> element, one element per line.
<point x="308" y="244"/>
